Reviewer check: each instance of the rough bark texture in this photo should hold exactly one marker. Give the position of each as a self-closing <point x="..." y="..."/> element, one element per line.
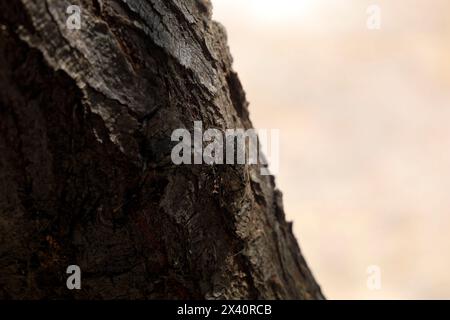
<point x="86" y="176"/>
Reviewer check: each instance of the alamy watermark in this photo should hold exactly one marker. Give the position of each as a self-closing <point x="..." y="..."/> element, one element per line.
<point x="374" y="277"/>
<point x="232" y="146"/>
<point x="374" y="17"/>
<point x="73" y="22"/>
<point x="74" y="280"/>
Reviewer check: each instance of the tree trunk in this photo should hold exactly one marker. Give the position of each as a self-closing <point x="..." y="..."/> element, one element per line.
<point x="86" y="175"/>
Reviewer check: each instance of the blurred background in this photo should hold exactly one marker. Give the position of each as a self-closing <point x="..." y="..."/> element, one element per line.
<point x="365" y="126"/>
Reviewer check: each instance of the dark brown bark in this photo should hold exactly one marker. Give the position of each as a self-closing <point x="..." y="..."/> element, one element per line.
<point x="86" y="176"/>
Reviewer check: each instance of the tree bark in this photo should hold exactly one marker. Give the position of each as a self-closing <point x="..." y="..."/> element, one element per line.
<point x="86" y="175"/>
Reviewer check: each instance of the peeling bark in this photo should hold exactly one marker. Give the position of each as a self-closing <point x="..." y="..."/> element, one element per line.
<point x="86" y="176"/>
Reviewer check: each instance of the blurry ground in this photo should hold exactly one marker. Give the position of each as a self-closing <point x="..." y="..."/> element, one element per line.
<point x="364" y="118"/>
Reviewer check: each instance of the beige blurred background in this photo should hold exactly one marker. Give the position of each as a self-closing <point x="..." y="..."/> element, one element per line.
<point x="365" y="127"/>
